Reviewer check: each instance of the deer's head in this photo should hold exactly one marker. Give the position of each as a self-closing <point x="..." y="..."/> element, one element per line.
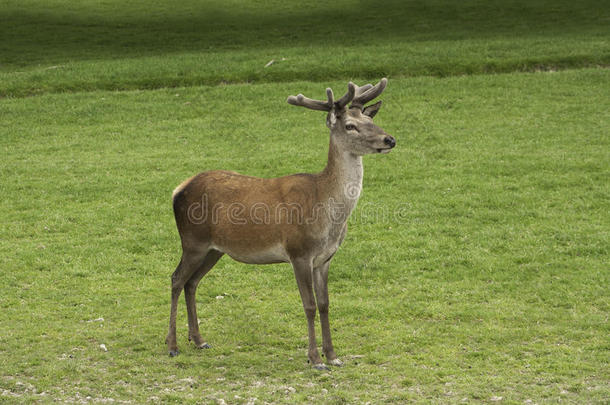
<point x="352" y="128"/>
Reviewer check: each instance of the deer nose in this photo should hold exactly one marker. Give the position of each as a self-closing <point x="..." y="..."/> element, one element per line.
<point x="390" y="141"/>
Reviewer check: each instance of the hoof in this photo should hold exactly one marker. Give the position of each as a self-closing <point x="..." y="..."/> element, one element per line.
<point x="204" y="346"/>
<point x="335" y="362"/>
<point x="321" y="367"/>
<point x="173" y="353"/>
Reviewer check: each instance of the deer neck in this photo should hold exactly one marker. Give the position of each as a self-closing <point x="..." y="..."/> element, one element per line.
<point x="342" y="178"/>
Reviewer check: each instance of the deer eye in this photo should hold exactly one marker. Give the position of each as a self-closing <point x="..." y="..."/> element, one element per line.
<point x="350" y="127"/>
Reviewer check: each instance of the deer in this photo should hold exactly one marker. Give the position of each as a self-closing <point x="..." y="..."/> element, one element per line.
<point x="299" y="219"/>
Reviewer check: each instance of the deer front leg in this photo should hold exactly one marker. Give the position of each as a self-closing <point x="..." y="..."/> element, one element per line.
<point x="320" y="276"/>
<point x="303" y="274"/>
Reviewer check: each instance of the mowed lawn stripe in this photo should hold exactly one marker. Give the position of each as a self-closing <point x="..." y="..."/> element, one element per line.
<point x="59" y="46"/>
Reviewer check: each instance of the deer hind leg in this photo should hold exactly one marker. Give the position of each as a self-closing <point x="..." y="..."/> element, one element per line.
<point x="190" y="262"/>
<point x="320" y="282"/>
<point x="303" y="274"/>
<point x="190" y="289"/>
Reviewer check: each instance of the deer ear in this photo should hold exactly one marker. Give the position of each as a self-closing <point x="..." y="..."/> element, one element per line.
<point x="331" y="119"/>
<point x="372" y="109"/>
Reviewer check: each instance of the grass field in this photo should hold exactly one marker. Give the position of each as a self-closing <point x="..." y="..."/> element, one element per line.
<point x="57" y="45"/>
<point x="476" y="265"/>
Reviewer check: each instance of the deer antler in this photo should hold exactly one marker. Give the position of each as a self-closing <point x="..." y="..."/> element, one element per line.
<point x="358" y="96"/>
<point x="347" y="97"/>
<point x="367" y="93"/>
<point x="301" y="100"/>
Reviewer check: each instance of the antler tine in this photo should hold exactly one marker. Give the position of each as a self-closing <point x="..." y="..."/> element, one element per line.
<point x="302" y="101"/>
<point x="351" y="91"/>
<point x="372" y="92"/>
<point x="330" y="96"/>
<point x="360" y="90"/>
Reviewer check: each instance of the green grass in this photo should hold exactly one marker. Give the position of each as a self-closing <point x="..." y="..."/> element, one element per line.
<point x="476" y="264"/>
<point x="491" y="282"/>
<point x="60" y="45"/>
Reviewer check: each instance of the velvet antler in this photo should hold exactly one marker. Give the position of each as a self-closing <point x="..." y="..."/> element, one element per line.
<point x="367" y="93"/>
<point x="301" y="100"/>
<point x="358" y="96"/>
